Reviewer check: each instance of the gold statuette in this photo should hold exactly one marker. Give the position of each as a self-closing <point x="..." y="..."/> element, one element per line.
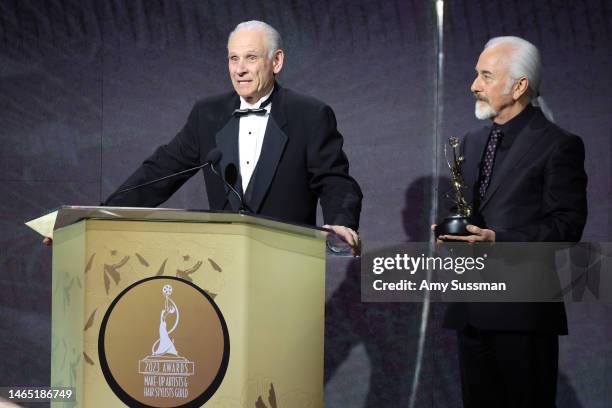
<point x="456" y="223"/>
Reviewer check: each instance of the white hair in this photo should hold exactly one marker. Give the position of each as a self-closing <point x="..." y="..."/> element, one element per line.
<point x="273" y="38"/>
<point x="525" y="61"/>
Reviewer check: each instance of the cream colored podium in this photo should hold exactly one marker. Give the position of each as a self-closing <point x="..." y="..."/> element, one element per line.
<point x="266" y="277"/>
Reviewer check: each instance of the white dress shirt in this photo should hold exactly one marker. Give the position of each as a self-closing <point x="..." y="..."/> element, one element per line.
<point x="250" y="138"/>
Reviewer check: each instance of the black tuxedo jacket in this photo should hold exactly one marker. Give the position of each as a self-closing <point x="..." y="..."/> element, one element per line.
<point x="538" y="194"/>
<point x="301" y="162"/>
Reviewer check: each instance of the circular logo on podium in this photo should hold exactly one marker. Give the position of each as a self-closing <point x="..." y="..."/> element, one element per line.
<point x="163" y="343"/>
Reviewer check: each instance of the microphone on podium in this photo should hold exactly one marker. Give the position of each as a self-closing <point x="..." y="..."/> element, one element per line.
<point x="231" y="175"/>
<point x="212" y="158"/>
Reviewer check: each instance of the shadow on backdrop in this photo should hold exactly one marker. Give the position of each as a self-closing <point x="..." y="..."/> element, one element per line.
<point x="389" y="332"/>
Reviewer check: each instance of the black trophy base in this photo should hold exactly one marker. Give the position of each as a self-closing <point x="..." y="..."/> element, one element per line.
<point x="453" y="225"/>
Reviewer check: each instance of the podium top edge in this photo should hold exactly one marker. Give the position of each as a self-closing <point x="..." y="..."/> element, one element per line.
<point x="70" y="214"/>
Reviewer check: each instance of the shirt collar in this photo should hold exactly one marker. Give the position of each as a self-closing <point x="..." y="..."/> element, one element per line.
<point x="245" y="105"/>
<point x="514" y="126"/>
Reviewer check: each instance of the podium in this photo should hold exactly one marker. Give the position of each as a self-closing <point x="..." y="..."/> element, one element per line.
<point x="166" y="308"/>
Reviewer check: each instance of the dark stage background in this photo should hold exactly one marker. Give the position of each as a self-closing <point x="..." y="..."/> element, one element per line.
<point x="89" y="88"/>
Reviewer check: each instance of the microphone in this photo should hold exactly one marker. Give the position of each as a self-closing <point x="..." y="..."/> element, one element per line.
<point x="231" y="174"/>
<point x="213" y="157"/>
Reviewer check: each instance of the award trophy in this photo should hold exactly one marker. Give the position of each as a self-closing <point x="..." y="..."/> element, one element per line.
<point x="456" y="223"/>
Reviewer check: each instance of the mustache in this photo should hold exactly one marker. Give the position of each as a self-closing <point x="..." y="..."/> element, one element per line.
<point x="480" y="98"/>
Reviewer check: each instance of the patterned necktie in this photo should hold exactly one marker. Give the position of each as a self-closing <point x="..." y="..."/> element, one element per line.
<point x="489" y="159"/>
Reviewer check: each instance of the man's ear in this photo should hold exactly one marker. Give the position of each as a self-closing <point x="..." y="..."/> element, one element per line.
<point x="277" y="61"/>
<point x="520" y="88"/>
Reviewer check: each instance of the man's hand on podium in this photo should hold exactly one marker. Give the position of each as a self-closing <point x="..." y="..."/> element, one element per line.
<point x="349" y="236"/>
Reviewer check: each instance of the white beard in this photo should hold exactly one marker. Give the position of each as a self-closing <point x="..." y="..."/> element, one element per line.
<point x="484" y="111"/>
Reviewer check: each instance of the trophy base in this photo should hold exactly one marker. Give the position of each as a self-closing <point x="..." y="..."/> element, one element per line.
<point x="453" y="225"/>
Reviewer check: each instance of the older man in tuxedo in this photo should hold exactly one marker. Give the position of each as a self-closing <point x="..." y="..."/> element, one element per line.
<point x="527" y="184"/>
<point x="281" y="150"/>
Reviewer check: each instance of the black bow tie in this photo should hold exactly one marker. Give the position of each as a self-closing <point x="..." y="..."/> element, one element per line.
<point x="259" y="111"/>
<point x="244" y="112"/>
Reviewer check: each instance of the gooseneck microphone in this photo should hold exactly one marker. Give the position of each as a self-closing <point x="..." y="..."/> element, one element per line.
<point x="213" y="157"/>
<point x="232" y="176"/>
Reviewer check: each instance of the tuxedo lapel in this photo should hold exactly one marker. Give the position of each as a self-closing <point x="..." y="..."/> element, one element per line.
<point x="271" y="151"/>
<point x="279" y="107"/>
<point x="521" y="146"/>
<point x="227" y="141"/>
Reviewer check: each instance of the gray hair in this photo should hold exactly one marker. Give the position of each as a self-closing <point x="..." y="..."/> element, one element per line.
<point x="525" y="61"/>
<point x="273" y="38"/>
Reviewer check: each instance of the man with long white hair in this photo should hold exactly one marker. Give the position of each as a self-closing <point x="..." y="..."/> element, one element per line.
<point x="527" y="183"/>
<point x="281" y="151"/>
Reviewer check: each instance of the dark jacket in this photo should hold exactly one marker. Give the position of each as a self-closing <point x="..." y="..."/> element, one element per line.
<point x="538" y="194"/>
<point x="301" y="162"/>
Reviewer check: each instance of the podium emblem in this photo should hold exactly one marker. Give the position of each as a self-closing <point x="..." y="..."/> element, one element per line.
<point x="164" y="363"/>
<point x="163" y="343"/>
